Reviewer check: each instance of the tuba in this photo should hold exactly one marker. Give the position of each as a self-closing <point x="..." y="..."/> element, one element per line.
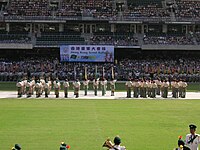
<point x="108" y="143"/>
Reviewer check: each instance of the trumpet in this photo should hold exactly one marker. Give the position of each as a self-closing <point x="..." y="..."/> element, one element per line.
<point x="108" y="143"/>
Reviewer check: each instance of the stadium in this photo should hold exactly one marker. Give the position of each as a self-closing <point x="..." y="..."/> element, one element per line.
<point x="125" y="40"/>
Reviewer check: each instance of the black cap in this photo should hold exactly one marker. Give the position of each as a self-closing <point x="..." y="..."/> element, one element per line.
<point x="181" y="142"/>
<point x="192" y="126"/>
<point x="18" y="147"/>
<point x="117" y="140"/>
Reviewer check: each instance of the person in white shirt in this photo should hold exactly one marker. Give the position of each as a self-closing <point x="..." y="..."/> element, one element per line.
<point x="192" y="139"/>
<point x="66" y="87"/>
<point x="128" y="88"/>
<point x="117" y="146"/>
<point x="77" y="86"/>
<point x="85" y="85"/>
<point x="112" y="86"/>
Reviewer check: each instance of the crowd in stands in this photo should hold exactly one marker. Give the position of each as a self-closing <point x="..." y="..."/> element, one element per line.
<point x="116" y="40"/>
<point x="168" y="39"/>
<point x="188" y="9"/>
<point x="151" y="10"/>
<point x="185" y="68"/>
<point x="100" y="9"/>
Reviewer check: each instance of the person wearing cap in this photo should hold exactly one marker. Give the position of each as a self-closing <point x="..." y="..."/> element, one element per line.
<point x="103" y="86"/>
<point x="117" y="146"/>
<point x="95" y="86"/>
<point x="19" y="88"/>
<point x="77" y="86"/>
<point x="128" y="88"/>
<point x="85" y="85"/>
<point x="46" y="89"/>
<point x="64" y="146"/>
<point x="17" y="147"/>
<point x="192" y="139"/>
<point x="181" y="145"/>
<point x="66" y="87"/>
<point x="112" y="86"/>
<point x="57" y="88"/>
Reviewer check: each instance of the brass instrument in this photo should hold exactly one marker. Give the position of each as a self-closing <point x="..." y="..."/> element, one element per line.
<point x="108" y="143"/>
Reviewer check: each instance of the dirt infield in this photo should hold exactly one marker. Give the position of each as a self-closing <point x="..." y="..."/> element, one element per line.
<point x="118" y="95"/>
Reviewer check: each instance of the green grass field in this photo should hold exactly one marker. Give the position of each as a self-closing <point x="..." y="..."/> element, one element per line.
<point x="85" y="124"/>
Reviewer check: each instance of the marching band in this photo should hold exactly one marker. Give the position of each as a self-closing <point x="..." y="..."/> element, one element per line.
<point x="135" y="88"/>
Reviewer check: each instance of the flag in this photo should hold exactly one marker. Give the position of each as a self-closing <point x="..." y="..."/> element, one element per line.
<point x="74" y="73"/>
<point x="96" y="72"/>
<point x="103" y="73"/>
<point x="112" y="72"/>
<point x="86" y="73"/>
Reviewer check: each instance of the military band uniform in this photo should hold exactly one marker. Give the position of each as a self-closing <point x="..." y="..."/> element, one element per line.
<point x="85" y="86"/>
<point x="176" y="89"/>
<point x="57" y="88"/>
<point x="95" y="86"/>
<point x="103" y="87"/>
<point x="117" y="146"/>
<point x="153" y="89"/>
<point x="128" y="88"/>
<point x="149" y="88"/>
<point x="192" y="140"/>
<point x="173" y="89"/>
<point x="112" y="86"/>
<point x="158" y="82"/>
<point x="144" y="89"/>
<point x="28" y="89"/>
<point x="136" y="89"/>
<point x="165" y="89"/>
<point x="46" y="89"/>
<point x="38" y="89"/>
<point x="184" y="86"/>
<point x="66" y="87"/>
<point x="77" y="85"/>
<point x="19" y="89"/>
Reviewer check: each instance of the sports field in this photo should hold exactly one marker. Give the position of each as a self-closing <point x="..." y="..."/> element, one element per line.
<point x="39" y="124"/>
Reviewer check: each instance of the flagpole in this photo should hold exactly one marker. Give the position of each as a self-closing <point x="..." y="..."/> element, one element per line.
<point x="86" y="73"/>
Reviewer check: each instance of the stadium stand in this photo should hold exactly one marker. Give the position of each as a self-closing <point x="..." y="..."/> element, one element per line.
<point x="131" y="24"/>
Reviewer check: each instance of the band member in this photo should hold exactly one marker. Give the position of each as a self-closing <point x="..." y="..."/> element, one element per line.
<point x="136" y="88"/>
<point x="17" y="147"/>
<point x="158" y="82"/>
<point x="85" y="85"/>
<point x="57" y="88"/>
<point x="32" y="85"/>
<point x="173" y="88"/>
<point x="103" y="86"/>
<point x="95" y="86"/>
<point x="153" y="89"/>
<point x="77" y="85"/>
<point x="192" y="140"/>
<point x="38" y="87"/>
<point x="128" y="88"/>
<point x="181" y="145"/>
<point x="46" y="89"/>
<point x="176" y="89"/>
<point x="28" y="89"/>
<point x="112" y="86"/>
<point x="50" y="85"/>
<point x="165" y="89"/>
<point x="19" y="89"/>
<point x="184" y="86"/>
<point x="116" y="146"/>
<point x="144" y="89"/>
<point x="117" y="142"/>
<point x="66" y="87"/>
<point x="64" y="146"/>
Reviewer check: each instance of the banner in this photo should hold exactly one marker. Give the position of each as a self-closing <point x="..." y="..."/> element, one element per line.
<point x="87" y="53"/>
